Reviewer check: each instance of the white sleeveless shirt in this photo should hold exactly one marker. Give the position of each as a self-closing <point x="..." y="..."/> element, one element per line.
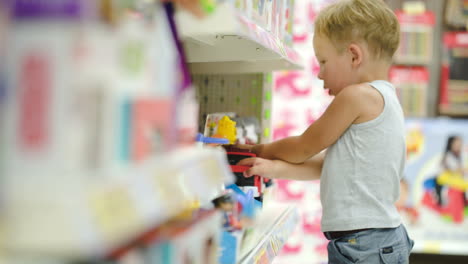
<point x="361" y="174"/>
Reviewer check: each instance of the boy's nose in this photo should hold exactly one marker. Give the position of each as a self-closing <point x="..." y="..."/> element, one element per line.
<point x="320" y="75"/>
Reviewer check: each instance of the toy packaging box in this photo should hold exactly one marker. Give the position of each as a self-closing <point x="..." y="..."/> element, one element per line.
<point x="412" y="84"/>
<point x="453" y="94"/>
<point x="433" y="200"/>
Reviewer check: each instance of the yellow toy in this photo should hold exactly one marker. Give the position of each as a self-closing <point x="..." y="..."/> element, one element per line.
<point x="226" y="129"/>
<point x="414" y="142"/>
<point x="454" y="180"/>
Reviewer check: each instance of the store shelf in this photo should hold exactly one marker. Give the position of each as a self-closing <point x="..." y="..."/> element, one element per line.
<point x="455" y="112"/>
<point x="229" y="42"/>
<point x="91" y="216"/>
<point x="187" y="235"/>
<point x="275" y="224"/>
<point x="439" y="247"/>
<point x="411" y="61"/>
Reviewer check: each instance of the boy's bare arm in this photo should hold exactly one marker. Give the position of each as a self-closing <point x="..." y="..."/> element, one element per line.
<point x="311" y="169"/>
<point x="342" y="112"/>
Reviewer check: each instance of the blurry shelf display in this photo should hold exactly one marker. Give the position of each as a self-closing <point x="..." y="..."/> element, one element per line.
<point x="420" y="45"/>
<point x="436" y="222"/>
<point x="274" y="225"/>
<point x="416" y="38"/>
<point x="100" y="129"/>
<point x="437" y="247"/>
<point x="456" y="14"/>
<point x="253" y="90"/>
<point x="412" y="84"/>
<point x="194" y="237"/>
<point x="91" y="217"/>
<point x="460" y="112"/>
<point x="229" y="42"/>
<point x="454" y="75"/>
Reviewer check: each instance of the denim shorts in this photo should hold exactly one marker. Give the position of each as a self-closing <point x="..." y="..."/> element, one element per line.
<point x="373" y="246"/>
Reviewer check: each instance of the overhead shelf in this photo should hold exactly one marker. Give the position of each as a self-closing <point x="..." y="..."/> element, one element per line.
<point x="229" y="42"/>
<point x="275" y="224"/>
<point x="93" y="215"/>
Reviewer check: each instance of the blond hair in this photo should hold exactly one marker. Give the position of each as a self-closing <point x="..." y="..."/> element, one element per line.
<point x="371" y="21"/>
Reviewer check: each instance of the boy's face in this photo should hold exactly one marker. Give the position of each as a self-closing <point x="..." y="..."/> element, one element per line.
<point x="457" y="145"/>
<point x="335" y="68"/>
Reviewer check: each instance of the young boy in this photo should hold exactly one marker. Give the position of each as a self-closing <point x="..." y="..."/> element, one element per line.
<point x="362" y="131"/>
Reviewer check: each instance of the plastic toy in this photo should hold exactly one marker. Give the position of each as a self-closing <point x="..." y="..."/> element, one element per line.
<point x="236" y="155"/>
<point x="227" y="203"/>
<point x="211" y="140"/>
<point x="226" y="129"/>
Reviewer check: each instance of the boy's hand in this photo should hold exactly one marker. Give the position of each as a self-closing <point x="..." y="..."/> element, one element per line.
<point x="256" y="149"/>
<point x="259" y="166"/>
<point x="244" y="146"/>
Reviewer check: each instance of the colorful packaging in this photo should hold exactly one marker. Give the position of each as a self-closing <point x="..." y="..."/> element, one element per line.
<point x="453" y="95"/>
<point x="212" y="122"/>
<point x="54" y="10"/>
<point x="151" y="127"/>
<point x="194" y="242"/>
<point x="412" y="85"/>
<point x="433" y="203"/>
<point x="416" y="39"/>
<point x="38" y="78"/>
<point x="147" y="89"/>
<point x="100" y="96"/>
<point x="186" y="113"/>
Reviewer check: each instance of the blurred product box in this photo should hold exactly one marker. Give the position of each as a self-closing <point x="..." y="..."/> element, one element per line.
<point x="416" y="38"/>
<point x="454" y="76"/>
<point x="456" y="14"/>
<point x="288" y="23"/>
<point x="434" y="204"/>
<point x="197" y="242"/>
<point x="230" y="247"/>
<point x="275" y="16"/>
<point x="40" y="68"/>
<point x="86" y="95"/>
<point x="411" y="83"/>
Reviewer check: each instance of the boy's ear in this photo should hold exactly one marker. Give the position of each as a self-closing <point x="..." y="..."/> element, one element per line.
<point x="356" y="54"/>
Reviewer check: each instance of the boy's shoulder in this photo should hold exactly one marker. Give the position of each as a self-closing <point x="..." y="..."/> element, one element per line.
<point x="365" y="99"/>
<point x="359" y="88"/>
<point x="363" y="90"/>
<point x="359" y="93"/>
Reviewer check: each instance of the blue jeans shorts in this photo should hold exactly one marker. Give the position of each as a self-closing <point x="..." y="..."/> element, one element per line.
<point x="373" y="246"/>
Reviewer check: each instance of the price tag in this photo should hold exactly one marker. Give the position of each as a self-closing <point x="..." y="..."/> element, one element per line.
<point x="275" y="246"/>
<point x="261" y="257"/>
